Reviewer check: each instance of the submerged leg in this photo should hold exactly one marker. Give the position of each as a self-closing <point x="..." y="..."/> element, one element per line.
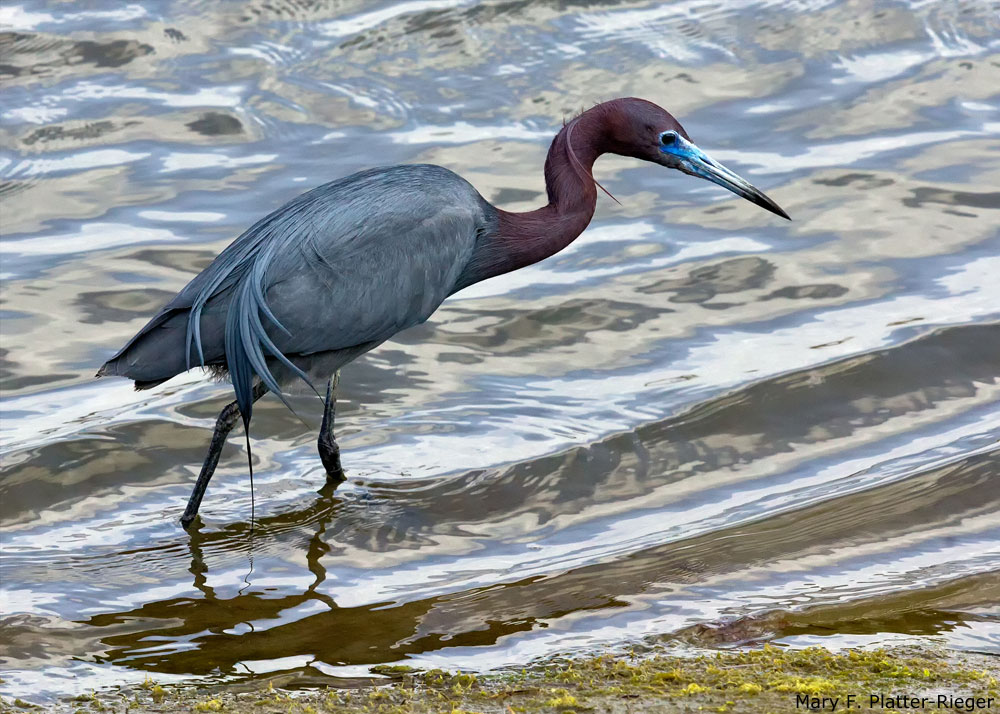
<point x="329" y="452"/>
<point x="223" y="425"/>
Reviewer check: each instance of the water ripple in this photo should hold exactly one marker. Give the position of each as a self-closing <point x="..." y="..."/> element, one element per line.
<point x="694" y="424"/>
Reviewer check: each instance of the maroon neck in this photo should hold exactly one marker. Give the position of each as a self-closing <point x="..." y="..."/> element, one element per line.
<point x="525" y="238"/>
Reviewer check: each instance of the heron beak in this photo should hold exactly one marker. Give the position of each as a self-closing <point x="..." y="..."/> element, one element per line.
<point x="691" y="160"/>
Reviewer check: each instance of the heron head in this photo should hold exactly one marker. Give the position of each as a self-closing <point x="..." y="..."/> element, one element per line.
<point x="649" y="132"/>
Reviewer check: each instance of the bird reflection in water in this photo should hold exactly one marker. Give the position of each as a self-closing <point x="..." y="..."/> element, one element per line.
<point x="319" y="514"/>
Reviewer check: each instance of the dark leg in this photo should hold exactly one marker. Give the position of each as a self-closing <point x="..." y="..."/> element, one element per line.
<point x="329" y="452"/>
<point x="223" y="425"/>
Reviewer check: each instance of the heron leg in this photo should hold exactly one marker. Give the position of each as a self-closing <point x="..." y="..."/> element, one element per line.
<point x="329" y="452"/>
<point x="223" y="425"/>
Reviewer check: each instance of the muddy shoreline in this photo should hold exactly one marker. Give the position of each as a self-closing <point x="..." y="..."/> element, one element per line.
<point x="767" y="679"/>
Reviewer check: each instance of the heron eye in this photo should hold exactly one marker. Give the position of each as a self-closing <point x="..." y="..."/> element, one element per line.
<point x="668" y="138"/>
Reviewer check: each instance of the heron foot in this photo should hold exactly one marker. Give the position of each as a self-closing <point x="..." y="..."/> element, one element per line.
<point x="329" y="451"/>
<point x="329" y="454"/>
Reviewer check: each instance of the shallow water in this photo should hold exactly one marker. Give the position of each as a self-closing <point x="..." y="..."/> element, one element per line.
<point x="698" y="424"/>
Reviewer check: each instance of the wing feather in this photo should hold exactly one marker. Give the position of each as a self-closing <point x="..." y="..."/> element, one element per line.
<point x="340" y="268"/>
<point x="349" y="263"/>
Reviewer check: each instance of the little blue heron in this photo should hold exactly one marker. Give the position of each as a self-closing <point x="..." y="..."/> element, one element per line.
<point x="342" y="268"/>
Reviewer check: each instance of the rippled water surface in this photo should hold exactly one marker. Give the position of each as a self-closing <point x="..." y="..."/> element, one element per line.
<point x="699" y="423"/>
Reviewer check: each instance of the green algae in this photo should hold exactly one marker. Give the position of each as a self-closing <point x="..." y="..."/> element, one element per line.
<point x="770" y="679"/>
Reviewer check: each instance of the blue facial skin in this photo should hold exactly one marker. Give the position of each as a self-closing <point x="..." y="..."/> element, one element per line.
<point x="691" y="160"/>
<point x="674" y="144"/>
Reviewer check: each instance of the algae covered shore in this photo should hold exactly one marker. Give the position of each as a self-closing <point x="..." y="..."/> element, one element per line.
<point x="768" y="679"/>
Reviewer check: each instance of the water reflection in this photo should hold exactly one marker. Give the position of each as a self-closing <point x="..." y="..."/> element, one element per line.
<point x="871" y="519"/>
<point x="257" y="623"/>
